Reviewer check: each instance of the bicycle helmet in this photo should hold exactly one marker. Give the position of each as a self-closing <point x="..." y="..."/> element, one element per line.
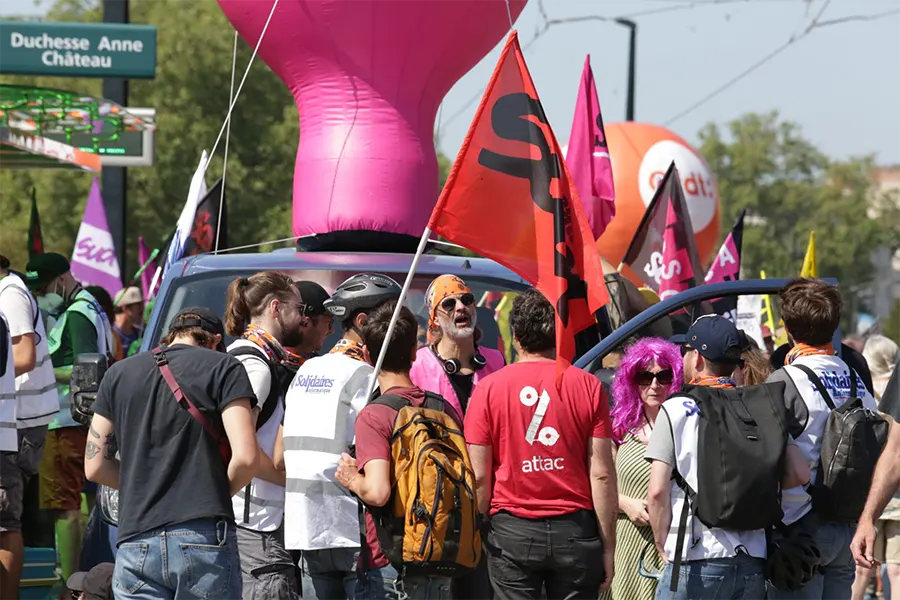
<point x="361" y="292"/>
<point x="793" y="561"/>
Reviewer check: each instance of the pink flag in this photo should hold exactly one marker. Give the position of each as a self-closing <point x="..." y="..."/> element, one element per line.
<point x="147" y="273"/>
<point x="94" y="260"/>
<point x="726" y="266"/>
<point x="588" y="156"/>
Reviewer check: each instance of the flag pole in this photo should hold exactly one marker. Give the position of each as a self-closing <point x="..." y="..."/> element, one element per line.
<point x="134" y="277"/>
<point x="390" y="331"/>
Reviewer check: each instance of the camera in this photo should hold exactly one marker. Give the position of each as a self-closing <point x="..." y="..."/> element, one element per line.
<point x="87" y="373"/>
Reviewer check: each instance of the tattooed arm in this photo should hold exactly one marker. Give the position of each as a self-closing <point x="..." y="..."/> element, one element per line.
<point x="100" y="462"/>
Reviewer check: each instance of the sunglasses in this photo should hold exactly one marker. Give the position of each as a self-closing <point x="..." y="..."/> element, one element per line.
<point x="664" y="377"/>
<point x="448" y="304"/>
<point x="685" y="350"/>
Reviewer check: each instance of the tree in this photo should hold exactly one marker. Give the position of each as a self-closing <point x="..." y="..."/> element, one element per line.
<point x="190" y="93"/>
<point x="789" y="187"/>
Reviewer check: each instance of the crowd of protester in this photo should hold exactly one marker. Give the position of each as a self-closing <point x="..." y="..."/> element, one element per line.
<point x="264" y="470"/>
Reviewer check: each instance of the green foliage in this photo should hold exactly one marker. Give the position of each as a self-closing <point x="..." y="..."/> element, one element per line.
<point x="789" y="187"/>
<point x="891" y="326"/>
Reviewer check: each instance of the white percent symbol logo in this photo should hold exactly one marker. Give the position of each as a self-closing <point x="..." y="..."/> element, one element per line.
<point x="548" y="436"/>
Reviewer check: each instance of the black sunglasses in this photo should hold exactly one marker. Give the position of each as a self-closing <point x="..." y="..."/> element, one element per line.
<point x="685" y="349"/>
<point x="664" y="377"/>
<point x="448" y="304"/>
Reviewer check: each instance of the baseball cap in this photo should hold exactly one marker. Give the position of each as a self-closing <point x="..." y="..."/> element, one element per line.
<point x="314" y="297"/>
<point x="128" y="296"/>
<point x="96" y="584"/>
<point x="715" y="338"/>
<point x="198" y="316"/>
<point x="44" y="268"/>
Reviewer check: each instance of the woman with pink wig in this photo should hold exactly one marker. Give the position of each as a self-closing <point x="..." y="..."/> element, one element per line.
<point x="650" y="371"/>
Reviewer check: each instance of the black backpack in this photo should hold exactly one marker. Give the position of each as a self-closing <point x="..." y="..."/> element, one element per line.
<point x="851" y="444"/>
<point x="740" y="458"/>
<point x="282" y="376"/>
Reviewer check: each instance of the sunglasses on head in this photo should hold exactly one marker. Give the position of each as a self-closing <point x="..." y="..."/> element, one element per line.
<point x="448" y="304"/>
<point x="664" y="377"/>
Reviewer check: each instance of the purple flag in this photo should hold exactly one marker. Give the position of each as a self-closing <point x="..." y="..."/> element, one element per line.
<point x="727" y="265"/>
<point x="587" y="156"/>
<point x="94" y="260"/>
<point x="147" y="274"/>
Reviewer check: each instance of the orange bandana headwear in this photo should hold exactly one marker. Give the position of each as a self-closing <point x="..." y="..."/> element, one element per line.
<point x="442" y="287"/>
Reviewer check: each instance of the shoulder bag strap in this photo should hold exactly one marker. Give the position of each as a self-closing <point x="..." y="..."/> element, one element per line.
<point x="163" y="364"/>
<point x="392" y="400"/>
<point x="820" y="386"/>
<point x="853" y="389"/>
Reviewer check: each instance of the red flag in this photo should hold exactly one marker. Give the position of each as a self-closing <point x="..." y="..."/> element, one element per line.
<point x="588" y="156"/>
<point x="663" y="251"/>
<point x="509" y="196"/>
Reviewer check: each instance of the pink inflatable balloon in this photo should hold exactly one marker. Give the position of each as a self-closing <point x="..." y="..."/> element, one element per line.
<point x="368" y="77"/>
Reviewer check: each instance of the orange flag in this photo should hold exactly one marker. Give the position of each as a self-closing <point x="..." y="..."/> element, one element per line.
<point x="510" y="197"/>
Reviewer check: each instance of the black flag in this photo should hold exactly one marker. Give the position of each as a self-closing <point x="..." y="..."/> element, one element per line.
<point x="208" y="221"/>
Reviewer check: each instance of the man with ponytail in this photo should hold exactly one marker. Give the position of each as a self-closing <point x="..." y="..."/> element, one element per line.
<point x="265" y="312"/>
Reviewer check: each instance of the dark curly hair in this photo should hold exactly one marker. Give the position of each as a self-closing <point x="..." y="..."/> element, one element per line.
<point x="533" y="322"/>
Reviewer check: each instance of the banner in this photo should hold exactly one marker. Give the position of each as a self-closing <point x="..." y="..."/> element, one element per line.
<point x="207" y="223"/>
<point x="147" y="274"/>
<point x="749" y="317"/>
<point x="809" y="268"/>
<point x="663" y="251"/>
<point x="510" y="197"/>
<point x="94" y="260"/>
<point x="726" y="266"/>
<point x="35" y="237"/>
<point x="588" y="156"/>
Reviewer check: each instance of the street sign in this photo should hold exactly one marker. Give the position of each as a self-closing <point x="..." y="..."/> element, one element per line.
<point x="78" y="49"/>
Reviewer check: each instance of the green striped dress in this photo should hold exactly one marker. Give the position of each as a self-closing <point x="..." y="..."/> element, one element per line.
<point x="633" y="473"/>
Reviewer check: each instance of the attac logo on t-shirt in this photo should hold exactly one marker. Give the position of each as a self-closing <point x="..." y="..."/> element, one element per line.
<point x="314" y="384"/>
<point x="547" y="436"/>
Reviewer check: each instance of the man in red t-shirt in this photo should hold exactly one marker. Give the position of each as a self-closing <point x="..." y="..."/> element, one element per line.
<point x="368" y="476"/>
<point x="544" y="468"/>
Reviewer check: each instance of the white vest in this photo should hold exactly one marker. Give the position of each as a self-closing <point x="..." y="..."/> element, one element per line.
<point x="36" y="397"/>
<point x="700" y="542"/>
<point x="266" y="498"/>
<point x="9" y="439"/>
<point x="835" y="376"/>
<point x="86" y="305"/>
<point x="323" y="402"/>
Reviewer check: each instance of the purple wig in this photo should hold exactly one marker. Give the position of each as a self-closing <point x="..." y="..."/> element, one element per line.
<point x="628" y="408"/>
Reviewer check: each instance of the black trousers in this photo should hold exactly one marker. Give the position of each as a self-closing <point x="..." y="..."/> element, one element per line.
<point x="562" y="554"/>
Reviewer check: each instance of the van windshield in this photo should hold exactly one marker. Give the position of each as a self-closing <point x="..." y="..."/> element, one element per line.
<point x="209" y="290"/>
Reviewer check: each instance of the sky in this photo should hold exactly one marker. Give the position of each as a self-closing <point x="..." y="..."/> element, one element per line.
<point x="840" y="82"/>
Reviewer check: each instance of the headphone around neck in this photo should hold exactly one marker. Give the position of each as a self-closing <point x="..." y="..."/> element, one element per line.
<point x="452" y="366"/>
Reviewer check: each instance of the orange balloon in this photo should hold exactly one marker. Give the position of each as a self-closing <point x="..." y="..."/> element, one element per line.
<point x="640" y="154"/>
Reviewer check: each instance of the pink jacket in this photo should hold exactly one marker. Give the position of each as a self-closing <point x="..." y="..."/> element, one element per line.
<point x="428" y="373"/>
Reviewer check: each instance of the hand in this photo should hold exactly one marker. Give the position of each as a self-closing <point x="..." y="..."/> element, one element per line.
<point x="347" y="471"/>
<point x="863" y="544"/>
<point x="608" y="569"/>
<point x="661" y="549"/>
<point x="636" y="511"/>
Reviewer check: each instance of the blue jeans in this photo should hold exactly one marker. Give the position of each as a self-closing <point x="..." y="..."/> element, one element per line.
<point x="383" y="584"/>
<point x="195" y="559"/>
<point x="837" y="569"/>
<point x="740" y="577"/>
<point x="329" y="574"/>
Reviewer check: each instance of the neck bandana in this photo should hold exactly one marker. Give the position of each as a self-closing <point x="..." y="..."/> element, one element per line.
<point x="349" y="348"/>
<point x="273" y="349"/>
<point x="715" y="382"/>
<point x="806" y="350"/>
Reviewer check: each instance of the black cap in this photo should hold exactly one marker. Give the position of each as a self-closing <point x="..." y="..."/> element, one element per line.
<point x="96" y="583"/>
<point x="200" y="317"/>
<point x="715" y="338"/>
<point x="44" y="268"/>
<point x="314" y="297"/>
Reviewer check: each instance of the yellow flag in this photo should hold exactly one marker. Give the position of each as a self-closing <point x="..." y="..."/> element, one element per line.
<point x="501" y="315"/>
<point x="768" y="317"/>
<point x="809" y="261"/>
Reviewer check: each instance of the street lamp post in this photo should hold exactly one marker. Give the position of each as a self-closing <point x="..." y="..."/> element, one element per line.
<point x="629" y="107"/>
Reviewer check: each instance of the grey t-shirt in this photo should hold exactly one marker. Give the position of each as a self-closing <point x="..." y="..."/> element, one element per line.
<point x="661" y="445"/>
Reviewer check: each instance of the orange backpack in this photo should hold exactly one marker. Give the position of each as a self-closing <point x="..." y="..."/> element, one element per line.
<point x="428" y="527"/>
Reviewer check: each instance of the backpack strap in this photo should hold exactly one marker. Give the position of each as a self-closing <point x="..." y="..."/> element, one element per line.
<point x="853" y="390"/>
<point x="394" y="401"/>
<point x="433" y="401"/>
<point x="689" y="496"/>
<point x="268" y="408"/>
<point x="821" y="386"/>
